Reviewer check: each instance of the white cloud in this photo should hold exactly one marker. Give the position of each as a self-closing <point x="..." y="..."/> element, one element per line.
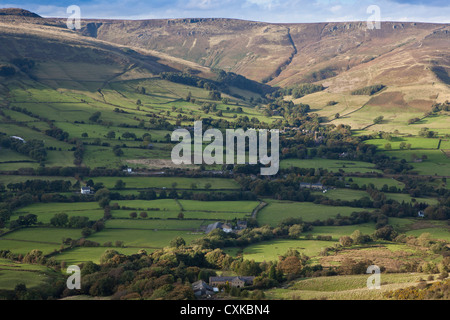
<point x="336" y="8"/>
<point x="266" y="4"/>
<point x="201" y="4"/>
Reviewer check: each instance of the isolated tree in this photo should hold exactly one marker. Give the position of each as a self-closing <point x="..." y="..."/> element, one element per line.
<point x="103" y="202"/>
<point x="129" y="135"/>
<point x="385" y="233"/>
<point x="173" y="194"/>
<point x="291" y="265"/>
<point x="177" y="242"/>
<point x="143" y="215"/>
<point x="345" y="241"/>
<point x="59" y="220"/>
<point x="356" y="237"/>
<point x="107" y="212"/>
<point x="118" y="152"/>
<point x="101" y="193"/>
<point x="147" y="137"/>
<point x="103" y="197"/>
<point x="120" y="185"/>
<point x="378" y="120"/>
<point x="295" y="231"/>
<point x="111" y="135"/>
<point x="133" y="215"/>
<point x="118" y="243"/>
<point x="95" y="117"/>
<point x="86" y="232"/>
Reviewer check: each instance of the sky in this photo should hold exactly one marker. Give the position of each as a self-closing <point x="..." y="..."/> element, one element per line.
<point x="276" y="11"/>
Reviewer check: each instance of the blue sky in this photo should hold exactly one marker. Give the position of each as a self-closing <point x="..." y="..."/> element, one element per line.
<point x="288" y="11"/>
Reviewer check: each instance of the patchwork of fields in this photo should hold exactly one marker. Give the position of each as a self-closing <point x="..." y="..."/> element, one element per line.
<point x="122" y="232"/>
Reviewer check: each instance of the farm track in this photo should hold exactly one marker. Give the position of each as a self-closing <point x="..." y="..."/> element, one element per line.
<point x="261" y="205"/>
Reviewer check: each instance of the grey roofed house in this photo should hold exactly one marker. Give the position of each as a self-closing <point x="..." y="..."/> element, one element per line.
<point x="242" y="224"/>
<point x="201" y="288"/>
<point x="213" y="226"/>
<point x="219" y="225"/>
<point x="85" y="190"/>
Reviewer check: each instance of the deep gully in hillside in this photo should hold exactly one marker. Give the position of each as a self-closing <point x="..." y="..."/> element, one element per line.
<point x="285" y="64"/>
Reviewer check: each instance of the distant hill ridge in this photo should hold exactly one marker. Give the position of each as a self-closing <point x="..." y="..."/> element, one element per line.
<point x="288" y="54"/>
<point x="341" y="56"/>
<point x="18" y="12"/>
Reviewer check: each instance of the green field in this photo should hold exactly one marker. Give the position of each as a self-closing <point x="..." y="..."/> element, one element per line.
<point x="330" y="165"/>
<point x="46" y="211"/>
<point x="7" y="155"/>
<point x="400" y="197"/>
<point x="6" y="179"/>
<point x="436" y="233"/>
<point x="46" y="240"/>
<point x="96" y="157"/>
<point x="416" y="227"/>
<point x="278" y="211"/>
<point x="271" y="250"/>
<point x="377" y="182"/>
<point x="219" y="206"/>
<point x="12" y="273"/>
<point x="344" y="194"/>
<point x="82" y="254"/>
<point x="45" y="235"/>
<point x="24" y="247"/>
<point x="435" y="164"/>
<point x="191" y="209"/>
<point x="167" y="182"/>
<point x="140" y="224"/>
<point x="416" y="143"/>
<point x="162" y="204"/>
<point x="153" y="214"/>
<point x="142" y="239"/>
<point x="338" y="231"/>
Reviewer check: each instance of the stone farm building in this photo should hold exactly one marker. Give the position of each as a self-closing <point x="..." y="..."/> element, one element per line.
<point x="201" y="288"/>
<point x="312" y="186"/>
<point x="237" y="282"/>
